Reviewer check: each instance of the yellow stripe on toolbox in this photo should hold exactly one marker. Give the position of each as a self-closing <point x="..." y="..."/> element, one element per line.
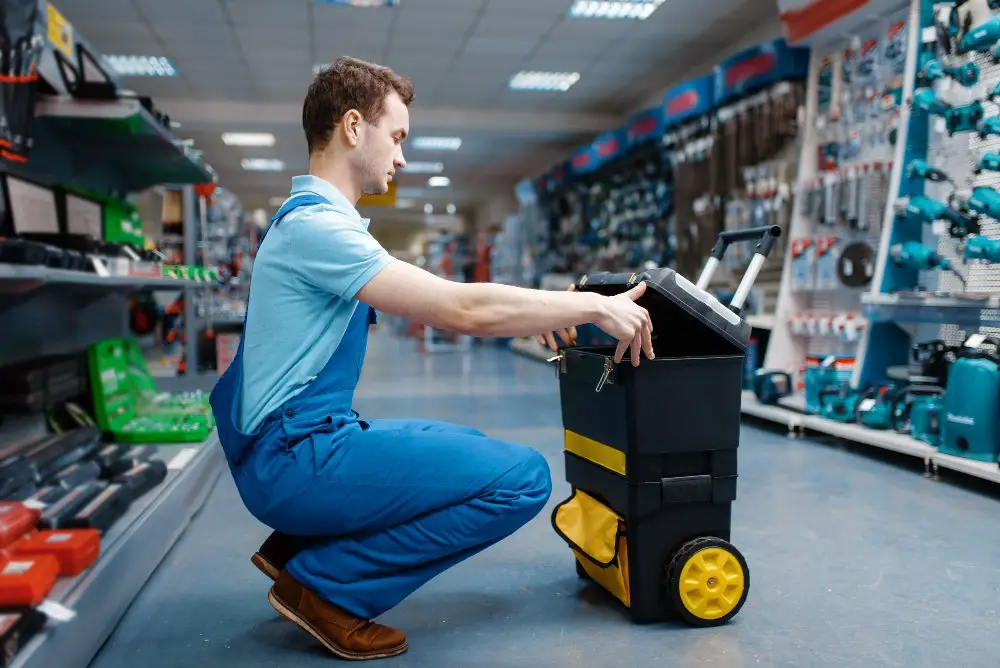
<point x="598" y="453"/>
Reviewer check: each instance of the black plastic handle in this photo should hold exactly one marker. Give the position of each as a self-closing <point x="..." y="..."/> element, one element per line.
<point x="766" y="234"/>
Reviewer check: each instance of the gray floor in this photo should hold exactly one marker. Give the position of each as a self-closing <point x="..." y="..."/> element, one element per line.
<point x="855" y="560"/>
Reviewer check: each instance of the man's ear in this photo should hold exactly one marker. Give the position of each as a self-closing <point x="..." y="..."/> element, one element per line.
<point x="351" y="123"/>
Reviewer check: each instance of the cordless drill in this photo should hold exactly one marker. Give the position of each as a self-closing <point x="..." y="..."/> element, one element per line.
<point x="967" y="74"/>
<point x="982" y="200"/>
<point x="915" y="255"/>
<point x="918" y="169"/>
<point x="925" y="99"/>
<point x="988" y="162"/>
<point x="978" y="247"/>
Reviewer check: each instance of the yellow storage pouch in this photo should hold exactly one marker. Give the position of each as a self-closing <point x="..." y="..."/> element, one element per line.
<point x="597" y="536"/>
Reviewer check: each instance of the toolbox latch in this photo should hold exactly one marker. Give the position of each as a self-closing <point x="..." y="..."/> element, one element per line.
<point x="560" y="363"/>
<point x="607" y="378"/>
<point x="686" y="489"/>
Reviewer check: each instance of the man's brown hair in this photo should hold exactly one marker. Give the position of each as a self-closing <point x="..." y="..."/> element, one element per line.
<point x="348" y="83"/>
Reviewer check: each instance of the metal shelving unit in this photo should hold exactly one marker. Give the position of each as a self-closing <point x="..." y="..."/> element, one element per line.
<point x="932" y="309"/>
<point x="18" y="278"/>
<point x="130" y="552"/>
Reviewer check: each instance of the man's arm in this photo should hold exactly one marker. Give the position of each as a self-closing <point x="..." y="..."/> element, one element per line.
<point x="490" y="309"/>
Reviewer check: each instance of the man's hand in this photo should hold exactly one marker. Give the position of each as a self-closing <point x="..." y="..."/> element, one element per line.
<point x="568" y="336"/>
<point x="628" y="322"/>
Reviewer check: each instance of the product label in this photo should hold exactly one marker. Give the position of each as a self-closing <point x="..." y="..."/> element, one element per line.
<point x="17" y="567"/>
<point x="894" y="53"/>
<point x="868" y="60"/>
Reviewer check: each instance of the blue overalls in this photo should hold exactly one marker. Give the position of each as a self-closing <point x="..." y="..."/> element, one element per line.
<point x="379" y="508"/>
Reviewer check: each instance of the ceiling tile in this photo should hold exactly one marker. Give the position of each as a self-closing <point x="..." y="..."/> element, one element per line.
<point x="198" y="11"/>
<point x="261" y="14"/>
<point x="86" y="13"/>
<point x="500" y="46"/>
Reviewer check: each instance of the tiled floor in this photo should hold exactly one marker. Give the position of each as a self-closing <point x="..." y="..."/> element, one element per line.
<point x="855" y="561"/>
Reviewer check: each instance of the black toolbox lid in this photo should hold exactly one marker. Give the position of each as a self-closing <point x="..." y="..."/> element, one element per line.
<point x="686" y="319"/>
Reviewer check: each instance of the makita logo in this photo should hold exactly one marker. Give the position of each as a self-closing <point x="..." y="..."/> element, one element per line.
<point x="961" y="419"/>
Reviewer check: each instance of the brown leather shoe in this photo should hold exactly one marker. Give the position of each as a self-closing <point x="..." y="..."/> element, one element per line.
<point x="272" y="556"/>
<point x="347" y="636"/>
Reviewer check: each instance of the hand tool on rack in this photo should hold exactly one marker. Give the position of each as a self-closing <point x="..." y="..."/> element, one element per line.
<point x="915" y="255"/>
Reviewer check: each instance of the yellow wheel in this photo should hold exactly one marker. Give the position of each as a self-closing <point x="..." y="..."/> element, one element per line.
<point x="707" y="581"/>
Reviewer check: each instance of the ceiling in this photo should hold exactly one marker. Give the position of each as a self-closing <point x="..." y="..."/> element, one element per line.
<point x="244" y="65"/>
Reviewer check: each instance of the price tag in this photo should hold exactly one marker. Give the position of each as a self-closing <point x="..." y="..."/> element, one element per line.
<point x="928" y="35"/>
<point x="866" y="404"/>
<point x="975" y="340"/>
<point x="56" y="612"/>
<point x="182" y="459"/>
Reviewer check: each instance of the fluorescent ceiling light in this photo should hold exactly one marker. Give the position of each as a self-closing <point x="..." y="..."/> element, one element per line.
<point x="437" y="143"/>
<point x="141" y="66"/>
<point x="622" y="9"/>
<point x="248" y="139"/>
<point x="424" y="167"/>
<point x="560" y="81"/>
<point x="262" y="164"/>
<point x="439" y="182"/>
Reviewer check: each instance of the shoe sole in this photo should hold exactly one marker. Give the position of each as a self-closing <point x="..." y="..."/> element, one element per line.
<point x="286" y="612"/>
<point x="264" y="566"/>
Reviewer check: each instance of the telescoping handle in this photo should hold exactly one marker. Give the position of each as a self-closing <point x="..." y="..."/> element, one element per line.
<point x="766" y="236"/>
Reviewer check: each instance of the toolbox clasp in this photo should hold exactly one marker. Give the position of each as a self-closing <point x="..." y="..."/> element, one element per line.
<point x="607" y="378"/>
<point x="560" y="363"/>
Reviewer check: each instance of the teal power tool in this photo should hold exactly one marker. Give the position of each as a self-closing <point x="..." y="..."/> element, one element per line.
<point x="989" y="126"/>
<point x="982" y="37"/>
<point x="967" y="74"/>
<point x="916" y="410"/>
<point x="978" y="247"/>
<point x="839" y="404"/>
<point x="925" y="99"/>
<point x="770" y="385"/>
<point x="971" y="413"/>
<point x="988" y="162"/>
<point x="918" y="169"/>
<point x="929" y="211"/>
<point x="915" y="255"/>
<point x="982" y="200"/>
<point x="874" y="407"/>
<point x="965" y="118"/>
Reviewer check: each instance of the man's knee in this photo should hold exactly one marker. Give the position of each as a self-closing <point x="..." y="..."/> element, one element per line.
<point x="530" y="481"/>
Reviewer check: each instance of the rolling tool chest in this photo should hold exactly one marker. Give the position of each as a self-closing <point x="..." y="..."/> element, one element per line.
<point x="651" y="451"/>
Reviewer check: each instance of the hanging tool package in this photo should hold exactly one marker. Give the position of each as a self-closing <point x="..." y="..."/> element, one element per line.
<point x="20" y="47"/>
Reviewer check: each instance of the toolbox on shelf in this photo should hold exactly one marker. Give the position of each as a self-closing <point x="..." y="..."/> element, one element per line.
<point x="651" y="451"/>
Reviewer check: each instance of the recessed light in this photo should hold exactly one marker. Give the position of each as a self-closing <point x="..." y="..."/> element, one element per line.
<point x="424" y="167"/>
<point x="248" y="139"/>
<point x="451" y="209"/>
<point x="439" y="182"/>
<point x="262" y="164"/>
<point x="141" y="66"/>
<point x="437" y="143"/>
<point x="560" y="81"/>
<point x="631" y="9"/>
<point x="428" y="208"/>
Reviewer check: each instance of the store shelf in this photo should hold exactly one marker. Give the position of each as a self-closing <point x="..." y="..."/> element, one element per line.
<point x="931" y="309"/>
<point x="790" y="413"/>
<point x="984" y="470"/>
<point x="19" y="278"/>
<point x="118" y="137"/>
<point x="130" y="552"/>
<point x="789" y="418"/>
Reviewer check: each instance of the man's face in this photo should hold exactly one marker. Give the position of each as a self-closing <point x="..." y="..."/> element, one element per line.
<point x="381" y="147"/>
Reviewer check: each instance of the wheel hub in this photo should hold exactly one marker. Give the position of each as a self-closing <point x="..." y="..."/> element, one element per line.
<point x="711" y="583"/>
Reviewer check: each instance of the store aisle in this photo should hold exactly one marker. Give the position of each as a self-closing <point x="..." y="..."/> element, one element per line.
<point x="854" y="561"/>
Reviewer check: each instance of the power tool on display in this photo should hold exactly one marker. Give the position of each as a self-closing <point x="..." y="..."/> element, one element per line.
<point x="915" y="255"/>
<point x="974" y="26"/>
<point x="978" y="247"/>
<point x="916" y="410"/>
<point x="988" y="162"/>
<point x="981" y="199"/>
<point x="989" y="127"/>
<point x="919" y="169"/>
<point x="926" y="100"/>
<point x="929" y="211"/>
<point x="966" y="75"/>
<point x="970" y="421"/>
<point x="964" y="118"/>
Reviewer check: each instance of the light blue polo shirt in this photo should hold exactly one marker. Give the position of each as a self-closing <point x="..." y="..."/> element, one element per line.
<point x="302" y="296"/>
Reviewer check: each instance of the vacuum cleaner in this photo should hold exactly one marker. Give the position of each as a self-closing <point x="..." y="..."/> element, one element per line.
<point x="971" y="410"/>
